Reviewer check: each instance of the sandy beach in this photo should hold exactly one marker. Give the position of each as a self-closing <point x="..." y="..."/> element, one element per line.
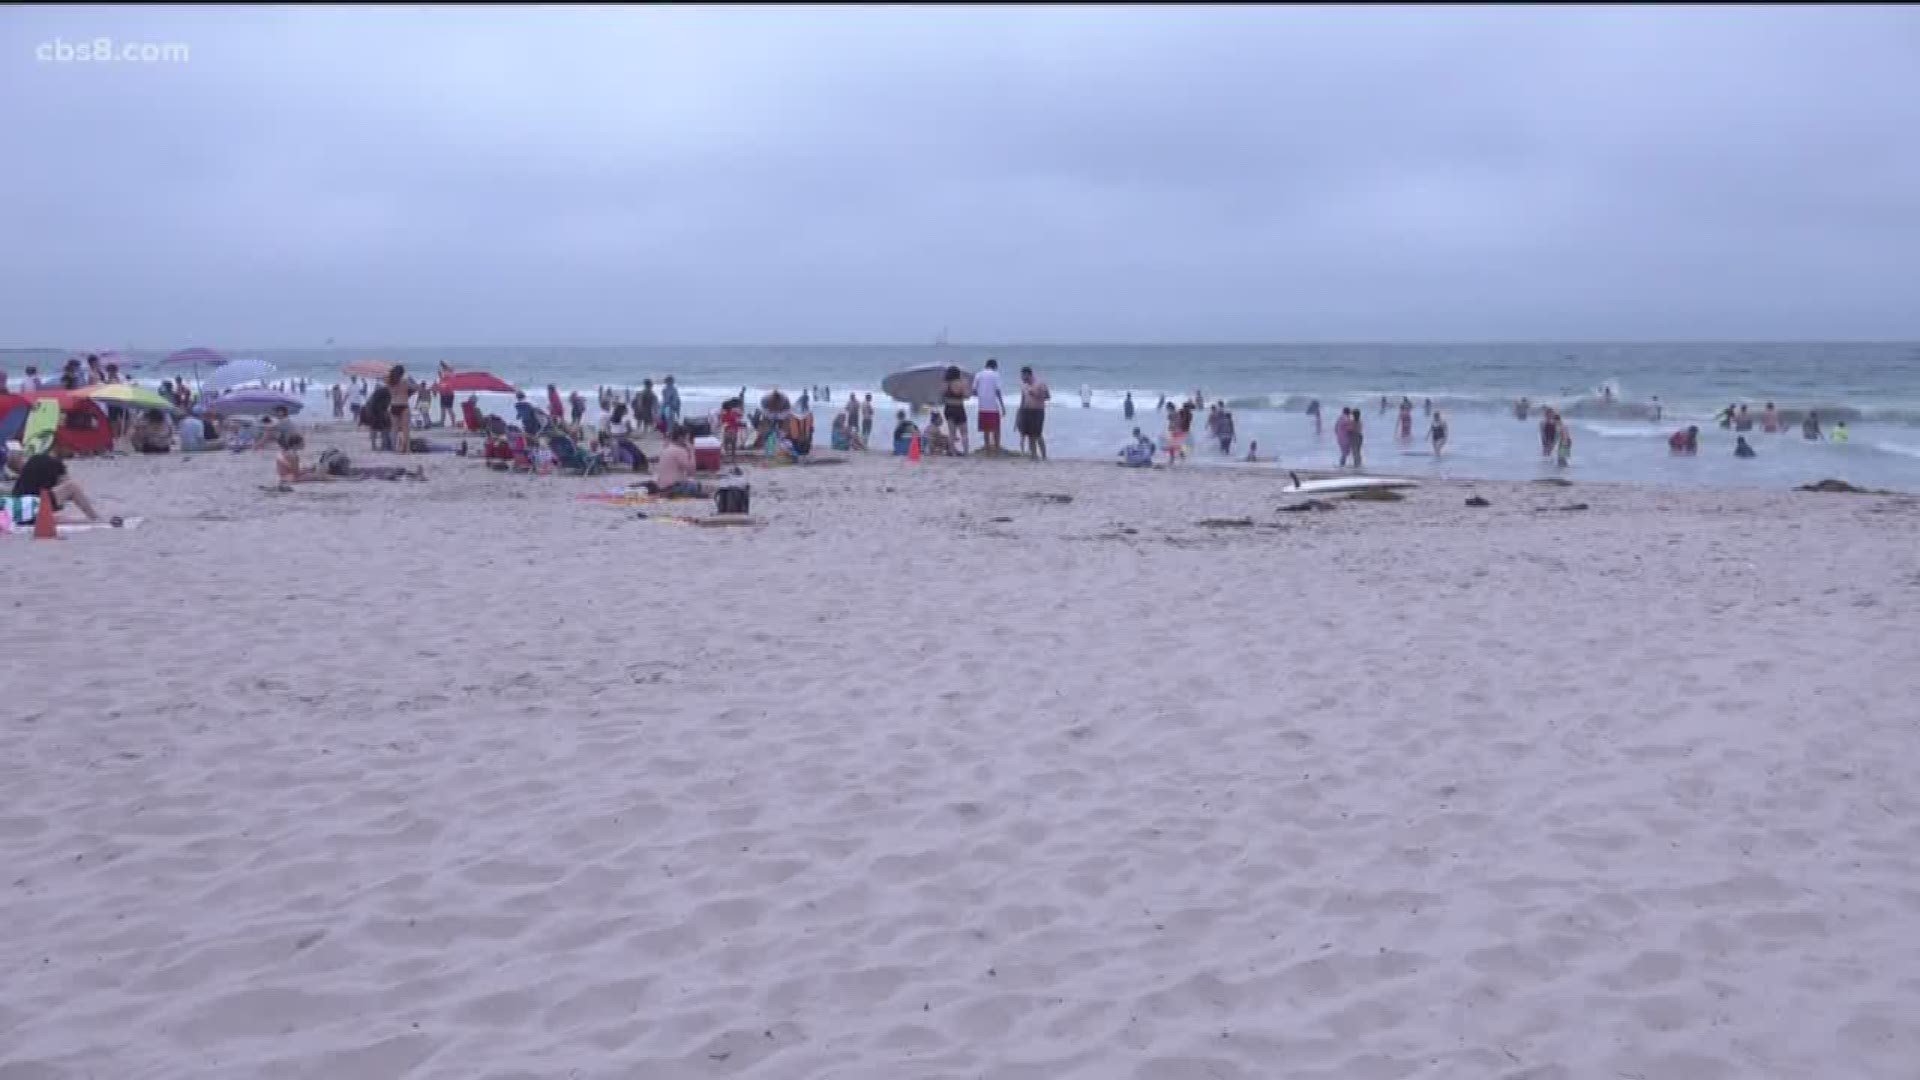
<point x="964" y="769"/>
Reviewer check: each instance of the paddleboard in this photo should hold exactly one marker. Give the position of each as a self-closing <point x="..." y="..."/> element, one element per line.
<point x="1347" y="483"/>
<point x="921" y="385"/>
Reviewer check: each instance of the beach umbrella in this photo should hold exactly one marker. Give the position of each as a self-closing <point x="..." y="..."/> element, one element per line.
<point x="128" y="395"/>
<point x="475" y="382"/>
<point x="196" y="357"/>
<point x="369" y="369"/>
<point x="256" y="402"/>
<point x="236" y="372"/>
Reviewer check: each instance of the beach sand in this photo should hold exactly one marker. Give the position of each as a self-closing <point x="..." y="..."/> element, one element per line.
<point x="468" y="779"/>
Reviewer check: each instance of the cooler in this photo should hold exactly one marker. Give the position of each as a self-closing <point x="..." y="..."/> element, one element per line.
<point x="706" y="454"/>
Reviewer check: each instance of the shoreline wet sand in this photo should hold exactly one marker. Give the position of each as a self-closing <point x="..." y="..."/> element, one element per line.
<point x="940" y="774"/>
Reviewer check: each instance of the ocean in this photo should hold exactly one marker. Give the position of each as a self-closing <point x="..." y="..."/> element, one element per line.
<point x="1874" y="387"/>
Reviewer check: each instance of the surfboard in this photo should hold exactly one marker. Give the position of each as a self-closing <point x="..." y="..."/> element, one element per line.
<point x="91" y="526"/>
<point x="1347" y="483"/>
<point x="921" y="385"/>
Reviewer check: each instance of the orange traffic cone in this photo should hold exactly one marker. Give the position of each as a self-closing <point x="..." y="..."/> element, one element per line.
<point x="43" y="526"/>
<point x="913" y="448"/>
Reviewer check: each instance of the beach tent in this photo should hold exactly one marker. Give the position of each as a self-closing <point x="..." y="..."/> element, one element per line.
<point x="83" y="429"/>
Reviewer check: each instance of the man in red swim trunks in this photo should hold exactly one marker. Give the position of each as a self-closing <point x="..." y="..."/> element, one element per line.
<point x="986" y="390"/>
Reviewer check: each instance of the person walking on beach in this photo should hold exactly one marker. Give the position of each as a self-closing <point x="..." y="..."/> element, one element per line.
<point x="953" y="408"/>
<point x="1223" y="431"/>
<point x="866" y="419"/>
<point x="1356" y="438"/>
<point x="1437" y="433"/>
<point x="1343" y="435"/>
<point x="1549" y="432"/>
<point x="1032" y="420"/>
<point x="989" y="405"/>
<point x="1406" y="419"/>
<point x="1563" y="445"/>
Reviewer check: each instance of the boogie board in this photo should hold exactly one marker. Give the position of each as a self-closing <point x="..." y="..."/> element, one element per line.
<point x="922" y="385"/>
<point x="1347" y="483"/>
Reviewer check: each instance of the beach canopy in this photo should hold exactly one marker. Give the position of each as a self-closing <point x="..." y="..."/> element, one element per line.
<point x="369" y="369"/>
<point x="197" y="356"/>
<point x="236" y="373"/>
<point x="254" y="402"/>
<point x="475" y="382"/>
<point x="128" y="395"/>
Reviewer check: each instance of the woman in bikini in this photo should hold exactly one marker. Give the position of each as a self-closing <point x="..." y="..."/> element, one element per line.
<point x="402" y="390"/>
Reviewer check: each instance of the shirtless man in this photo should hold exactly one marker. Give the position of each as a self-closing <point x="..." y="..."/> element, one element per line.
<point x="1032" y="420"/>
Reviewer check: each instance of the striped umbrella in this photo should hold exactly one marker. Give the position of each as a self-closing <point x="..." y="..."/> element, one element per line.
<point x="236" y="372"/>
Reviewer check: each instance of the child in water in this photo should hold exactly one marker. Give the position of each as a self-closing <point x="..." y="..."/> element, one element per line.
<point x="1563" y="451"/>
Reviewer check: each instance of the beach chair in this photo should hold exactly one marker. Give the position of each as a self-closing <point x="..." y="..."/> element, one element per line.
<point x="470" y="416"/>
<point x="568" y="455"/>
<point x="519" y="452"/>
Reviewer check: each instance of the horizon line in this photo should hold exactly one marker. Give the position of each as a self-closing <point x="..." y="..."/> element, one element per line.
<point x="1054" y="344"/>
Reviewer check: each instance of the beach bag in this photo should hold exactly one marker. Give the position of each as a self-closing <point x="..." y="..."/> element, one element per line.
<point x="334" y="463"/>
<point x="20" y="510"/>
<point x="731" y="500"/>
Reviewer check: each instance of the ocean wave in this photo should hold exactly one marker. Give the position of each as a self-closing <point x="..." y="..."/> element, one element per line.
<point x="1901" y="449"/>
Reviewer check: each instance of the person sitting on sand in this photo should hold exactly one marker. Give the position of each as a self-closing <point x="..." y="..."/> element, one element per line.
<point x="1741" y="449"/>
<point x="936" y="438"/>
<point x="1137" y="454"/>
<point x="151" y="434"/>
<point x="673" y="471"/>
<point x="1684" y="442"/>
<point x="47" y="473"/>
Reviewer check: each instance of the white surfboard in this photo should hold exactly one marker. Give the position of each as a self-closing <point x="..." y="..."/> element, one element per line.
<point x="1347" y="483"/>
<point x="922" y="385"/>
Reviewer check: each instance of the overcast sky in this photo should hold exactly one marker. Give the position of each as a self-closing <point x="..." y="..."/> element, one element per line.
<point x="677" y="175"/>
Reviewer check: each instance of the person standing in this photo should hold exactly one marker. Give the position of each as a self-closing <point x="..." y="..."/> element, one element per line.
<point x="339" y="399"/>
<point x="577" y="407"/>
<point x="1126" y="407"/>
<point x="866" y="419"/>
<point x="1313" y="410"/>
<point x="805" y="403"/>
<point x="646" y="407"/>
<point x="1437" y="433"/>
<point x="1223" y="430"/>
<point x="400" y="392"/>
<point x="953" y="406"/>
<point x="1406" y="419"/>
<point x="1032" y="420"/>
<point x="1343" y="435"/>
<point x="1356" y="438"/>
<point x="990" y="404"/>
<point x="670" y="403"/>
<point x="1549" y="432"/>
<point x="555" y="407"/>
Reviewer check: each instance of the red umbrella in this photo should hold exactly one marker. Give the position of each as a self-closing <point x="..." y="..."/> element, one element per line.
<point x="475" y="382"/>
<point x="369" y="369"/>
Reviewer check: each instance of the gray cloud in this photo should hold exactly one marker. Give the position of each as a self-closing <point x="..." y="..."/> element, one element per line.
<point x="698" y="175"/>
